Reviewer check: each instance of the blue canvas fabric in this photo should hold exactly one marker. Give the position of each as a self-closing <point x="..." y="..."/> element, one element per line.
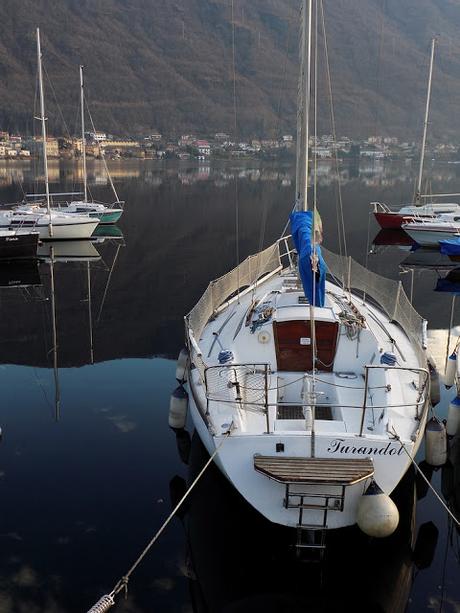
<point x="450" y="246"/>
<point x="302" y="232"/>
<point x="446" y="285"/>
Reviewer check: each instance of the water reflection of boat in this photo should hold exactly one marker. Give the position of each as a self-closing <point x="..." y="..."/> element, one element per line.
<point x="450" y="283"/>
<point x="106" y="231"/>
<point x="265" y="575"/>
<point x="394" y="236"/>
<point x="20" y="273"/>
<point x="450" y="480"/>
<point x="428" y="259"/>
<point x="65" y="251"/>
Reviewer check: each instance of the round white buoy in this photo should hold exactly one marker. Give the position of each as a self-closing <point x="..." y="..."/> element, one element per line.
<point x="451" y="369"/>
<point x="178" y="408"/>
<point x="453" y="417"/>
<point x="435" y="442"/>
<point x="377" y="514"/>
<point x="181" y="368"/>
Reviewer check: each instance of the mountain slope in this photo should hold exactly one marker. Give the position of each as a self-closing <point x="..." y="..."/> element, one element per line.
<point x="167" y="64"/>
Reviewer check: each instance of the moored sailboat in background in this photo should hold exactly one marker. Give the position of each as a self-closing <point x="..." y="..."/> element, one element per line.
<point x="392" y="218"/>
<point x="106" y="214"/>
<point x="51" y="224"/>
<point x="310" y="388"/>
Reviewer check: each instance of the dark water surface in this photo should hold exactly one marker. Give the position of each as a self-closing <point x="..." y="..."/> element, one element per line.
<point x="88" y="466"/>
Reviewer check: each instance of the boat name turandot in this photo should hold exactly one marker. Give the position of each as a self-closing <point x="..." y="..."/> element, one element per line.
<point x="337" y="446"/>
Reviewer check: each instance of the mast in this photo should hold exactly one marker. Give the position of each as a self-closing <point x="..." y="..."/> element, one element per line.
<point x="307" y="84"/>
<point x="43" y="120"/>
<point x="302" y="169"/>
<point x="83" y="142"/>
<point x="425" y="124"/>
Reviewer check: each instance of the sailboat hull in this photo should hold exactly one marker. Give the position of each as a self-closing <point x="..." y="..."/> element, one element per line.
<point x="235" y="460"/>
<point x="391" y="221"/>
<point x="18" y="246"/>
<point x="109" y="217"/>
<point x="73" y="231"/>
<point x="427" y="238"/>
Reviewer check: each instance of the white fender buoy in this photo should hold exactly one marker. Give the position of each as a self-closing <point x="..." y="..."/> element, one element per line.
<point x="435" y="389"/>
<point x="451" y="369"/>
<point x="178" y="408"/>
<point x="181" y="368"/>
<point x="453" y="417"/>
<point x="377" y="514"/>
<point x="435" y="442"/>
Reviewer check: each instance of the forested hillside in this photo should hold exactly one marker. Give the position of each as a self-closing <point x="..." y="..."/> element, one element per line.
<point x="167" y="64"/>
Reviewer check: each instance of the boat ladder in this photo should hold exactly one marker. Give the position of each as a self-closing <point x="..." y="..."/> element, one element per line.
<point x="317" y="484"/>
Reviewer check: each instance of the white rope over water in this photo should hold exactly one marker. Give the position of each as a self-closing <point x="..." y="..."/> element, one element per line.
<point x="419" y="470"/>
<point x="108" y="600"/>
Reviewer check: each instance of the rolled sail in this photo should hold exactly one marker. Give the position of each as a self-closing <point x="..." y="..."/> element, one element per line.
<point x="312" y="273"/>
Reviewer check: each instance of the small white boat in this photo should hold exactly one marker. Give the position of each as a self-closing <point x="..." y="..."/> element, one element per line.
<point x="309" y="390"/>
<point x="103" y="213"/>
<point x="393" y="218"/>
<point x="428" y="232"/>
<point x="50" y="226"/>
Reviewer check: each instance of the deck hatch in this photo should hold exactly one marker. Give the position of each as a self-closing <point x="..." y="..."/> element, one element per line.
<point x="293" y="347"/>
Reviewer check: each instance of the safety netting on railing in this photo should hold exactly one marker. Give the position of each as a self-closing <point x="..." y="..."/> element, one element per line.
<point x="224" y="288"/>
<point x="239" y="384"/>
<point x="388" y="294"/>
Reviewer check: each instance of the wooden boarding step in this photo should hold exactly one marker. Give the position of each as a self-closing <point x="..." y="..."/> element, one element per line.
<point x="324" y="471"/>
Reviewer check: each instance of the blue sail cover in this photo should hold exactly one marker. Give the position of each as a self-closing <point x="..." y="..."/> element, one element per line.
<point x="450" y="246"/>
<point x="302" y="232"/>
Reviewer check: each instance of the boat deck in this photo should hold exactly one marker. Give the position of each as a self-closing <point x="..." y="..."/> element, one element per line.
<point x="314" y="470"/>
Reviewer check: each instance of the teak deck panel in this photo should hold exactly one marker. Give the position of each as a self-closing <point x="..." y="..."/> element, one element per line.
<point x="314" y="470"/>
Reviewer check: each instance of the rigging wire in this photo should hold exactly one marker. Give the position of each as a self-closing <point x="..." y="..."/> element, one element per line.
<point x="314" y="256"/>
<point x="103" y="158"/>
<point x="235" y="128"/>
<point x="64" y="123"/>
<point x="340" y="215"/>
<point x="284" y="79"/>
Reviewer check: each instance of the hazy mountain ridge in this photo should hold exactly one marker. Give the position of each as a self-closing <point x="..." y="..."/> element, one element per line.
<point x="167" y="64"/>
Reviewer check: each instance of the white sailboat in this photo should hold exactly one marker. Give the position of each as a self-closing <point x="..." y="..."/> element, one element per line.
<point x="389" y="218"/>
<point x="318" y="386"/>
<point x="51" y="225"/>
<point x="106" y="214"/>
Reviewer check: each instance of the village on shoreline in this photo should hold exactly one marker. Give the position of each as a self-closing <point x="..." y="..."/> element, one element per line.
<point x="220" y="146"/>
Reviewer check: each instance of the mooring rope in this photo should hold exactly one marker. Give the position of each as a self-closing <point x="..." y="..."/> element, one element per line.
<point x="108" y="600"/>
<point x="420" y="471"/>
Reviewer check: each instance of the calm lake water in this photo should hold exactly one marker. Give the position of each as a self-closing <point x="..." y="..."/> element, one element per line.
<point x="88" y="466"/>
